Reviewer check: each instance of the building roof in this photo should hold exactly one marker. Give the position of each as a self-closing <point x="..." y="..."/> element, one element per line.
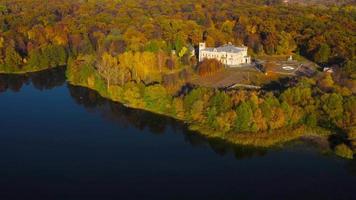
<point x="226" y="48"/>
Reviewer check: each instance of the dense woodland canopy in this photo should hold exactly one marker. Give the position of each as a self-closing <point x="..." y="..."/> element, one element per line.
<point x="320" y="2"/>
<point x="124" y="49"/>
<point x="61" y="28"/>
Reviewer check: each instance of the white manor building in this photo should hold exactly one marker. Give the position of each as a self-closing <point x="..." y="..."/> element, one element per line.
<point x="228" y="54"/>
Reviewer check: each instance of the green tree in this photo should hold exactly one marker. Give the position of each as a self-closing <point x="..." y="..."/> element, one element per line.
<point x="211" y="117"/>
<point x="197" y="111"/>
<point x="349" y="116"/>
<point x="332" y="104"/>
<point x="12" y="58"/>
<point x="157" y="98"/>
<point x="193" y="96"/>
<point x="35" y="58"/>
<point x="286" y="44"/>
<point x="221" y="102"/>
<point x="344" y="151"/>
<point x="323" y="54"/>
<point x="311" y="120"/>
<point x="133" y="95"/>
<point x="243" y="117"/>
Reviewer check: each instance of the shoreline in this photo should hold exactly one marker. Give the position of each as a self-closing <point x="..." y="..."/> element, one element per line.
<point x="262" y="139"/>
<point x="27" y="71"/>
<point x="265" y="139"/>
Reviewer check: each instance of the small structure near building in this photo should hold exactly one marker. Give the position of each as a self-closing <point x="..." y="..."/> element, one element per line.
<point x="229" y="54"/>
<point x="290" y="58"/>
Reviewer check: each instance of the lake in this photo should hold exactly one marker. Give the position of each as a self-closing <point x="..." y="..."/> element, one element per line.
<point x="59" y="141"/>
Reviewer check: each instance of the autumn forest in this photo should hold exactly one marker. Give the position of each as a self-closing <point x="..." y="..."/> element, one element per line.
<point x="139" y="53"/>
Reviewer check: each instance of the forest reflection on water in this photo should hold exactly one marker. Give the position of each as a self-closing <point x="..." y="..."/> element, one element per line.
<point x="42" y="80"/>
<point x="156" y="124"/>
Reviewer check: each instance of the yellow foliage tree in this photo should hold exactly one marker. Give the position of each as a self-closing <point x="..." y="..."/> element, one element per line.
<point x="277" y="118"/>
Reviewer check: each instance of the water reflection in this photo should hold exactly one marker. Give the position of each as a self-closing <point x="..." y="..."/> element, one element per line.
<point x="351" y="167"/>
<point x="156" y="124"/>
<point x="52" y="148"/>
<point x="147" y="122"/>
<point x="43" y="80"/>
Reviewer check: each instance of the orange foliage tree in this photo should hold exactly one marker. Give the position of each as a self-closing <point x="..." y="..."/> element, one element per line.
<point x="209" y="67"/>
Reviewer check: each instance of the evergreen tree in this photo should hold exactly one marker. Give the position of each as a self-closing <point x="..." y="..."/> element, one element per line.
<point x="332" y="104"/>
<point x="62" y="55"/>
<point x="34" y="59"/>
<point x="244" y="117"/>
<point x="323" y="54"/>
<point x="12" y="58"/>
<point x="45" y="60"/>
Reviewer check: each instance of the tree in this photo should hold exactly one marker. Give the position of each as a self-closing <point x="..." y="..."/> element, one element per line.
<point x="209" y="67"/>
<point x="183" y="51"/>
<point x="269" y="41"/>
<point x="193" y="96"/>
<point x="211" y="114"/>
<point x="170" y="63"/>
<point x="286" y="44"/>
<point x="108" y="68"/>
<point x="243" y="118"/>
<point x="323" y="54"/>
<point x="311" y="120"/>
<point x="35" y="58"/>
<point x="227" y="27"/>
<point x="332" y="104"/>
<point x="225" y="121"/>
<point x="12" y="58"/>
<point x="135" y="39"/>
<point x="56" y="55"/>
<point x="259" y="120"/>
<point x="277" y="119"/>
<point x="196" y="113"/>
<point x="344" y="151"/>
<point x="326" y="83"/>
<point x="133" y="96"/>
<point x="297" y="96"/>
<point x="2" y="41"/>
<point x="178" y="108"/>
<point x="221" y="102"/>
<point x="157" y="98"/>
<point x="350" y="112"/>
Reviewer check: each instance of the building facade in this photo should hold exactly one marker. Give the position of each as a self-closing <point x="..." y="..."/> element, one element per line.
<point x="229" y="54"/>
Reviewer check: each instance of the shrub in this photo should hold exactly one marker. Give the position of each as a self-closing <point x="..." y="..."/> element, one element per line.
<point x="344" y="151"/>
<point x="209" y="67"/>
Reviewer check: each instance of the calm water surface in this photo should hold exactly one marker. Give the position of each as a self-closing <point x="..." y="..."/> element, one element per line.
<point x="63" y="142"/>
